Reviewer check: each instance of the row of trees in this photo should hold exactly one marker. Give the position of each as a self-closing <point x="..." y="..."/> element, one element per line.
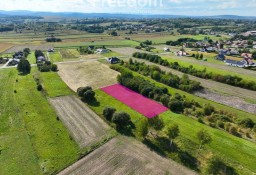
<point x="227" y="79"/>
<point x="53" y="39"/>
<point x="181" y="41"/>
<point x="184" y="83"/>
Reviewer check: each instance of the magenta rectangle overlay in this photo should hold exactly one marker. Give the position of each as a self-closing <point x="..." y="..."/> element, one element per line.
<point x="139" y="103"/>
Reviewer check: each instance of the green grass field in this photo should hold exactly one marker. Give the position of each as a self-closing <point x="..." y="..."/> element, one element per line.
<point x="31" y="58"/>
<point x="53" y="85"/>
<point x="223" y="143"/>
<point x="162" y="39"/>
<point x="98" y="43"/>
<point x="209" y="68"/>
<point x="32" y="140"/>
<point x="55" y="57"/>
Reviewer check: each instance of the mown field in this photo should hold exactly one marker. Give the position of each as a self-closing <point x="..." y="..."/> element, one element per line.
<point x="92" y="73"/>
<point x="32" y="140"/>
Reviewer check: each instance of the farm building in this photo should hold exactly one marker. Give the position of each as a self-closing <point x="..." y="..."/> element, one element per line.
<point x="3" y="60"/>
<point x="113" y="60"/>
<point x="236" y="63"/>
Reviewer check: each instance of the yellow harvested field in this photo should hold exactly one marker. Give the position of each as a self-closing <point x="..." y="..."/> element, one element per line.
<point x="91" y="73"/>
<point x="4" y="47"/>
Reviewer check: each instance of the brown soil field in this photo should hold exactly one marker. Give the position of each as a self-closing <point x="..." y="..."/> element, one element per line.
<point x="90" y="73"/>
<point x="83" y="124"/>
<point x="123" y="156"/>
<point x="32" y="47"/>
<point x="4" y="47"/>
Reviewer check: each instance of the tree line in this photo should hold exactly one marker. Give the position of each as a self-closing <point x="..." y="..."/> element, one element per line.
<point x="226" y="79"/>
<point x="183" y="83"/>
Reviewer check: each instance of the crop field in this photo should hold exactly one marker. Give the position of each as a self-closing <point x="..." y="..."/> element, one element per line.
<point x="139" y="103"/>
<point x="18" y="48"/>
<point x="109" y="43"/>
<point x="69" y="53"/>
<point x="127" y="51"/>
<point x="55" y="57"/>
<point x="30" y="133"/>
<point x="91" y="73"/>
<point x="162" y="38"/>
<point x="4" y="47"/>
<point x="125" y="156"/>
<point x="85" y="126"/>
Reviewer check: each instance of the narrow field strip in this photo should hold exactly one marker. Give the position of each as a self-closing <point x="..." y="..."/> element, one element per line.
<point x="84" y="125"/>
<point x="123" y="155"/>
<point x="141" y="104"/>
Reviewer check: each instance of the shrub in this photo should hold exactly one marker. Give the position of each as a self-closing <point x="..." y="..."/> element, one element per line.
<point x="54" y="68"/>
<point x="247" y="123"/>
<point x="82" y="90"/>
<point x="39" y="87"/>
<point x="122" y="121"/>
<point x="208" y="109"/>
<point x="108" y="113"/>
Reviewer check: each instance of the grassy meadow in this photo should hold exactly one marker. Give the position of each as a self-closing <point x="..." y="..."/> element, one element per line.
<point x="42" y="143"/>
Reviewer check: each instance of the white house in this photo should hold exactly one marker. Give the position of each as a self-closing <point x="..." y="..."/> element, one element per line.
<point x="101" y="51"/>
<point x="167" y="49"/>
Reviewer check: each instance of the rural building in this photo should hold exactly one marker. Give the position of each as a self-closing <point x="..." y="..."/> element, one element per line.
<point x="91" y="47"/>
<point x="18" y="55"/>
<point x="113" y="60"/>
<point x="50" y="50"/>
<point x="246" y="55"/>
<point x="181" y="53"/>
<point x="254" y="46"/>
<point x="40" y="59"/>
<point x="167" y="49"/>
<point x="221" y="57"/>
<point x="101" y="51"/>
<point x="3" y="60"/>
<point x="236" y="63"/>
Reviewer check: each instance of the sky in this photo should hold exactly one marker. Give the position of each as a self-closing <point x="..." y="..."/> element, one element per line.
<point x="170" y="7"/>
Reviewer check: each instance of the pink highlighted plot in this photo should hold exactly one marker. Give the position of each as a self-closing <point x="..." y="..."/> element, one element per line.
<point x="141" y="104"/>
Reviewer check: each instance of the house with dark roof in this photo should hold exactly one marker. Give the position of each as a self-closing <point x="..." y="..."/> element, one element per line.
<point x="221" y="57"/>
<point x="40" y="59"/>
<point x="18" y="55"/>
<point x="236" y="63"/>
<point x="113" y="60"/>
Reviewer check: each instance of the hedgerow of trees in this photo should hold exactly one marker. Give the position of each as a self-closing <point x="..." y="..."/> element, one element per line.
<point x="227" y="79"/>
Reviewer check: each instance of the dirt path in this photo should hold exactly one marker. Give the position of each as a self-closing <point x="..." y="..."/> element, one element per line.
<point x="84" y="125"/>
<point x="216" y="91"/>
<point x="123" y="156"/>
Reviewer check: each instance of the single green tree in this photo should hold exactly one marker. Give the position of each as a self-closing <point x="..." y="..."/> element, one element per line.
<point x="24" y="66"/>
<point x="172" y="132"/>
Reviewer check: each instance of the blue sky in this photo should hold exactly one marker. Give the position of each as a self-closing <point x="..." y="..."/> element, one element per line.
<point x="172" y="7"/>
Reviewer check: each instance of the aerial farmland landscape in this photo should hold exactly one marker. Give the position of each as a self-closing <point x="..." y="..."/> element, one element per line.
<point x="127" y="87"/>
